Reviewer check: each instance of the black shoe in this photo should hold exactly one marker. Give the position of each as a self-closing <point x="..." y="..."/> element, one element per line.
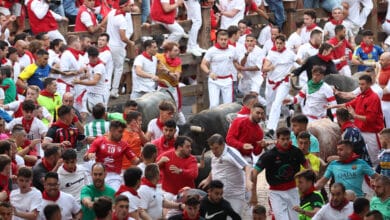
<point x="270" y="134"/>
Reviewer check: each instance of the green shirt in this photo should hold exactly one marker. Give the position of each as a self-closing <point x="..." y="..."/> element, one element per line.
<point x="310" y="202"/>
<point x="10" y="92"/>
<point x="50" y="104"/>
<point x="383" y="207"/>
<point x="97" y="127"/>
<point x="90" y="191"/>
<point x="116" y="116"/>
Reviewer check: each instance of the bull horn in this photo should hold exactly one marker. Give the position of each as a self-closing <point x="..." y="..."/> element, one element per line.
<point x="197" y="129"/>
<point x="295" y="86"/>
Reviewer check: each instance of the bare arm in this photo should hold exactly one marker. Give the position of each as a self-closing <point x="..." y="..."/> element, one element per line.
<point x="321" y="183"/>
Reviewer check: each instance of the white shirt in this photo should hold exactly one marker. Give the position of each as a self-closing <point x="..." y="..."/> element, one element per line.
<point x="25" y="60"/>
<point x="106" y="58"/>
<point x="54" y="58"/>
<point x="329" y="28"/>
<point x="155" y="131"/>
<point x="86" y="18"/>
<point x="267" y="46"/>
<point x="328" y="213"/>
<point x="306" y="50"/>
<point x="151" y="201"/>
<point x="375" y="87"/>
<point x="305" y="34"/>
<point x="72" y="183"/>
<point x="252" y="80"/>
<point x="283" y="63"/>
<point x="265" y="34"/>
<point x="37" y="130"/>
<point x="229" y="169"/>
<point x="135" y="202"/>
<point x="13" y="106"/>
<point x="16" y="68"/>
<point x="116" y="23"/>
<point x="294" y="42"/>
<point x="355" y="7"/>
<point x="100" y="87"/>
<point x="68" y="62"/>
<point x="221" y="61"/>
<point x="67" y="203"/>
<point x="26" y="202"/>
<point x="2" y="94"/>
<point x="229" y="5"/>
<point x="141" y="84"/>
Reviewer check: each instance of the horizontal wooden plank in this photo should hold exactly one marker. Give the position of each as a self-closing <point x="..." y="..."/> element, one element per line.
<point x="191" y="90"/>
<point x="189" y="59"/>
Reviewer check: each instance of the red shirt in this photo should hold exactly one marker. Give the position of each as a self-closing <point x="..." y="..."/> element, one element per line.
<point x="339" y="52"/>
<point x="46" y="24"/>
<point x="172" y="182"/>
<point x="383" y="79"/>
<point x="110" y="153"/>
<point x="157" y="13"/>
<point x="251" y="7"/>
<point x="369" y="105"/>
<point x="80" y="26"/>
<point x="163" y="145"/>
<point x="242" y="131"/>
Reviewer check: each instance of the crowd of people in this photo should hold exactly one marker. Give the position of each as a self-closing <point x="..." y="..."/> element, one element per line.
<point x="55" y="92"/>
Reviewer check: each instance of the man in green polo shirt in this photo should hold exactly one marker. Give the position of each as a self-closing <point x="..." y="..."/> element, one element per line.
<point x="49" y="98"/>
<point x="130" y="106"/>
<point x="381" y="201"/>
<point x="98" y="126"/>
<point x="90" y="193"/>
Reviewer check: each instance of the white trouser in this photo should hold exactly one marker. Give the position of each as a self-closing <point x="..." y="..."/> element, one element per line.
<point x="107" y="93"/>
<point x="177" y="32"/>
<point x="346" y="71"/>
<point x="237" y="203"/>
<point x="354" y="28"/>
<point x="80" y="91"/>
<point x="303" y="78"/>
<point x="118" y="57"/>
<point x="93" y="99"/>
<point x="373" y="149"/>
<point x="282" y="203"/>
<point x="274" y="102"/>
<point x="55" y="34"/>
<point x="386" y="112"/>
<point x="62" y="88"/>
<point x="386" y="27"/>
<point x="218" y="86"/>
<point x="194" y="14"/>
<point x="114" y="180"/>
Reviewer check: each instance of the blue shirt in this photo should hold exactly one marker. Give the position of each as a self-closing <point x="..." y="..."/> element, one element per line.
<point x="70" y="7"/>
<point x="351" y="174"/>
<point x="372" y="56"/>
<point x="384" y="163"/>
<point x="314" y="144"/>
<point x="39" y="75"/>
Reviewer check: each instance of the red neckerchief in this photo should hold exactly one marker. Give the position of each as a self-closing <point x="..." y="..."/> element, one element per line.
<point x="248" y="31"/>
<point x="282" y="149"/>
<point x="124" y="188"/>
<point x="46" y="197"/>
<point x="170" y="143"/>
<point x="308" y="192"/>
<point x="244" y="111"/>
<point x="311" y="27"/>
<point x="274" y="49"/>
<point x="366" y="48"/>
<point x="352" y="158"/>
<point x="105" y="48"/>
<point x="218" y="46"/>
<point x="95" y="64"/>
<point x="346" y="125"/>
<point x="60" y="124"/>
<point x="231" y="43"/>
<point x="146" y="182"/>
<point x="27" y="124"/>
<point x="186" y="217"/>
<point x="67" y="169"/>
<point x="341" y="206"/>
<point x="333" y="21"/>
<point x="354" y="216"/>
<point x="326" y="58"/>
<point x="47" y="165"/>
<point x="4" y="60"/>
<point x="47" y="94"/>
<point x="124" y="116"/>
<point x="147" y="56"/>
<point x="4" y="181"/>
<point x="159" y="124"/>
<point x="75" y="53"/>
<point x="315" y="46"/>
<point x="172" y="62"/>
<point x="114" y="217"/>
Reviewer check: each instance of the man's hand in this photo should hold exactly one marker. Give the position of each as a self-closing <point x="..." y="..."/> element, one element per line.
<point x="204" y="183"/>
<point x="59" y="162"/>
<point x="163" y="159"/>
<point x="155" y="78"/>
<point x="65" y="144"/>
<point x="247" y="146"/>
<point x="201" y="161"/>
<point x="286" y="101"/>
<point x="91" y="156"/>
<point x="351" y="111"/>
<point x="249" y="186"/>
<point x="253" y="200"/>
<point x="213" y="76"/>
<point x="35" y="142"/>
<point x="175" y="169"/>
<point x="65" y="19"/>
<point x="297" y="209"/>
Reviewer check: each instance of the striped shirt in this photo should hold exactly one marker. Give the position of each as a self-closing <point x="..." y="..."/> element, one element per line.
<point x="97" y="127"/>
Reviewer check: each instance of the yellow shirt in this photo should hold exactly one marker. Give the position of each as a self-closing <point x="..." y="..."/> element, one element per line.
<point x="314" y="162"/>
<point x="162" y="74"/>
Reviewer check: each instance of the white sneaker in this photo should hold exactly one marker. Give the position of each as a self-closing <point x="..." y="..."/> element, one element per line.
<point x="185" y="35"/>
<point x="194" y="52"/>
<point x="114" y="95"/>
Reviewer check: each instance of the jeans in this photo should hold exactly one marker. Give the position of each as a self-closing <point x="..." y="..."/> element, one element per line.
<point x="145" y="10"/>
<point x="328" y="5"/>
<point x="311" y="3"/>
<point x="276" y="6"/>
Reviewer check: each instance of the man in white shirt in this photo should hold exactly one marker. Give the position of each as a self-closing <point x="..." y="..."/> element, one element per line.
<point x="155" y="127"/>
<point x="309" y="19"/>
<point x="358" y="11"/>
<point x="337" y="19"/>
<point x="218" y="65"/>
<point x="144" y="71"/>
<point x="231" y="12"/>
<point x="294" y="40"/>
<point x="70" y="209"/>
<point x="25" y="56"/>
<point x="386" y="23"/>
<point x="338" y="207"/>
<point x="228" y="166"/>
<point x="120" y="29"/>
<point x="72" y="176"/>
<point x="277" y="65"/>
<point x="268" y="44"/>
<point x="96" y="83"/>
<point x="26" y="199"/>
<point x="105" y="56"/>
<point x="86" y="18"/>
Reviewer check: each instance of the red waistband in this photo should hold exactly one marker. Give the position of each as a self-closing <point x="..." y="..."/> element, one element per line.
<point x="388" y="20"/>
<point x="283" y="186"/>
<point x="315" y="117"/>
<point x="225" y="77"/>
<point x="277" y="84"/>
<point x="62" y="81"/>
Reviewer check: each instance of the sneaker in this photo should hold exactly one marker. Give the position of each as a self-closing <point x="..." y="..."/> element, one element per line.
<point x="270" y="134"/>
<point x="114" y="95"/>
<point x="194" y="52"/>
<point x="185" y="35"/>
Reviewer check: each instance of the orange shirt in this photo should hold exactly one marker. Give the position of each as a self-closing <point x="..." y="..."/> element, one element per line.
<point x="134" y="141"/>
